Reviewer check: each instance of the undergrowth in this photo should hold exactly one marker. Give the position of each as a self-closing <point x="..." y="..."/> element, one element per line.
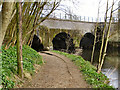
<point x="89" y="71"/>
<point x="9" y="64"/>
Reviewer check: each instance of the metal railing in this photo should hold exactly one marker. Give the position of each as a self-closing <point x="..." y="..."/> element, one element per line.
<point x="79" y="18"/>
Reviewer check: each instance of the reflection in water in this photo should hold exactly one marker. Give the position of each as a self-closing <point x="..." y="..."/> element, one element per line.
<point x="113" y="77"/>
<point x="110" y="67"/>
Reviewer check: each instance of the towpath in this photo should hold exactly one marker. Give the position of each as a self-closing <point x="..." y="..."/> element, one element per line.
<point x="57" y="72"/>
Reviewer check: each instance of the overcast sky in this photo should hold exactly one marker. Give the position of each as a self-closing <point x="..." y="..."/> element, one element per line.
<point x="89" y="7"/>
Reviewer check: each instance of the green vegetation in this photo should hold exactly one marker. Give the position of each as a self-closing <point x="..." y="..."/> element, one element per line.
<point x="89" y="71"/>
<point x="9" y="64"/>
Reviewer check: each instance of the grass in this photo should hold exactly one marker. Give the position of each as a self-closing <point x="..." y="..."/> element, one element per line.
<point x="89" y="71"/>
<point x="9" y="64"/>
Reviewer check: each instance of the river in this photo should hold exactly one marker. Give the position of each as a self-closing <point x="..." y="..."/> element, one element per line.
<point x="111" y="66"/>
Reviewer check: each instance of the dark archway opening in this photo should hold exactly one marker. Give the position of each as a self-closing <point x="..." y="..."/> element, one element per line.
<point x="63" y="42"/>
<point x="87" y="41"/>
<point x="36" y="44"/>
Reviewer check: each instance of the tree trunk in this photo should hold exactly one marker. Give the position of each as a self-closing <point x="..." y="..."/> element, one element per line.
<point x="103" y="34"/>
<point x="30" y="38"/>
<point x="119" y="21"/>
<point x="93" y="50"/>
<point x="106" y="43"/>
<point x="19" y="38"/>
<point x="7" y="9"/>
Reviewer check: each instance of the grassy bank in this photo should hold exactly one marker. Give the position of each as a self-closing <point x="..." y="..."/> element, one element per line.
<point x="89" y="71"/>
<point x="9" y="65"/>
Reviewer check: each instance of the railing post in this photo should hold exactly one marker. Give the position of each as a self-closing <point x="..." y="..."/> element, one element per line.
<point x="54" y="15"/>
<point x="92" y="19"/>
<point x="60" y="16"/>
<point x="100" y="19"/>
<point x="65" y="16"/>
<point x="80" y="18"/>
<point x="70" y="17"/>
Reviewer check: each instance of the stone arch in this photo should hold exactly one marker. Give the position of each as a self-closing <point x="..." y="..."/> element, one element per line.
<point x="63" y="42"/>
<point x="87" y="41"/>
<point x="36" y="44"/>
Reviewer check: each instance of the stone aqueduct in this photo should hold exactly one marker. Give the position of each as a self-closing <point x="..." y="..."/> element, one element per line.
<point x="50" y="27"/>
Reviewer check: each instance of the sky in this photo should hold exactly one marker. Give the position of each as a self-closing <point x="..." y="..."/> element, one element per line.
<point x="89" y="8"/>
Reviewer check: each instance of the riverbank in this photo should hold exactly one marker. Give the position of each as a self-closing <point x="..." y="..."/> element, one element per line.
<point x="67" y="74"/>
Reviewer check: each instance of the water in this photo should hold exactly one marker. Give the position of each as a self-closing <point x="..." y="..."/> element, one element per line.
<point x="110" y="69"/>
<point x="111" y="66"/>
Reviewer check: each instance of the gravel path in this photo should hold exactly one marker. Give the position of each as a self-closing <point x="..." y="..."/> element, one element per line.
<point x="57" y="72"/>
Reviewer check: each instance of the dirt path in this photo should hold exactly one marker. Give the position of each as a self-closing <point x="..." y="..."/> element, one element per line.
<point x="57" y="72"/>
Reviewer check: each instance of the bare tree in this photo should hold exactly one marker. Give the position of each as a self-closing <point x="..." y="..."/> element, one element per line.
<point x="33" y="14"/>
<point x="38" y="21"/>
<point x="106" y="42"/>
<point x="103" y="34"/>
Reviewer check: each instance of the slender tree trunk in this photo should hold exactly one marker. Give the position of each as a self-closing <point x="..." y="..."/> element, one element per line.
<point x="106" y="43"/>
<point x="119" y="21"/>
<point x="1" y="36"/>
<point x="103" y="34"/>
<point x="30" y="38"/>
<point x="93" y="50"/>
<point x="11" y="37"/>
<point x="7" y="8"/>
<point x="19" y="38"/>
